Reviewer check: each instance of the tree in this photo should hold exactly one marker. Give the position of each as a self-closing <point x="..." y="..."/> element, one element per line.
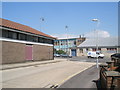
<point x="61" y="52"/>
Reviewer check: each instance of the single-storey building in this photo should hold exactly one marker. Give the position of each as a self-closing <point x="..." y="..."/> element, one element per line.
<point x="21" y="43"/>
<point x="107" y="46"/>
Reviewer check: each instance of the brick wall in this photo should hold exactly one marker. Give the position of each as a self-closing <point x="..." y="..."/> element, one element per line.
<point x="42" y="52"/>
<point x="13" y="52"/>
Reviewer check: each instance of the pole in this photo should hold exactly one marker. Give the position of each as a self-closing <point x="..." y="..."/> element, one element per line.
<point x="42" y="20"/>
<point x="97" y="43"/>
<point x="97" y="47"/>
<point x="96" y="20"/>
<point x="66" y="27"/>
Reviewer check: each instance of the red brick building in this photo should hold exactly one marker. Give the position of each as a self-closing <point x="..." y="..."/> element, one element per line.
<point x="21" y="43"/>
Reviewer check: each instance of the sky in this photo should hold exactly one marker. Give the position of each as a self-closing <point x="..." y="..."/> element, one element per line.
<point x="76" y="15"/>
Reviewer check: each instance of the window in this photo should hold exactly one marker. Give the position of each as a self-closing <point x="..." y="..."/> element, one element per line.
<point x="94" y="49"/>
<point x="79" y="40"/>
<point x="81" y="50"/>
<point x="29" y="38"/>
<point x="111" y="49"/>
<point x="4" y="33"/>
<point x="55" y="43"/>
<point x="87" y="49"/>
<point x="50" y="41"/>
<point x="99" y="49"/>
<point x="40" y="40"/>
<point x="74" y="42"/>
<point x="22" y="37"/>
<point x="15" y="35"/>
<point x="45" y="40"/>
<point x="25" y="37"/>
<point x="35" y="39"/>
<point x="9" y="34"/>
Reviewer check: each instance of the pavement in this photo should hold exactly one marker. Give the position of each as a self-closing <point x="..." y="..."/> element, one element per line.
<point x="30" y="63"/>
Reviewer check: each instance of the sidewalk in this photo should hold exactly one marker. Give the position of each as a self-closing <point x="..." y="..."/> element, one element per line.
<point x="31" y="63"/>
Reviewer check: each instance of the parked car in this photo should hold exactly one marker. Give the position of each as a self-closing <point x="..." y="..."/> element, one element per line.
<point x="95" y="54"/>
<point x="56" y="55"/>
<point x="65" y="56"/>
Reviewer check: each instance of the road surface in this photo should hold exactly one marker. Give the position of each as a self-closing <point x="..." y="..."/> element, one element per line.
<point x="85" y="79"/>
<point x="42" y="76"/>
<point x="85" y="59"/>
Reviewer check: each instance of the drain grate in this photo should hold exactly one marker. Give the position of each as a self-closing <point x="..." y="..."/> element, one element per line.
<point x="50" y="86"/>
<point x="54" y="86"/>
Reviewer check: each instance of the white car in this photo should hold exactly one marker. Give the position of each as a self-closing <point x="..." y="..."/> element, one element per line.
<point x="96" y="54"/>
<point x="56" y="55"/>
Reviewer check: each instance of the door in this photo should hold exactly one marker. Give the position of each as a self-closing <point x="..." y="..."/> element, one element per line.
<point x="29" y="54"/>
<point x="73" y="52"/>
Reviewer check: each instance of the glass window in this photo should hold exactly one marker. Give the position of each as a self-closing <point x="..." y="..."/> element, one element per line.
<point x="40" y="40"/>
<point x="4" y="33"/>
<point x="35" y="39"/>
<point x="14" y="36"/>
<point x="45" y="40"/>
<point x="9" y="34"/>
<point x="74" y="42"/>
<point x="22" y="37"/>
<point x="29" y="38"/>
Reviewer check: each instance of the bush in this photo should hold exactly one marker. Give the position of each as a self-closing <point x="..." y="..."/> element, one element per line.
<point x="60" y="52"/>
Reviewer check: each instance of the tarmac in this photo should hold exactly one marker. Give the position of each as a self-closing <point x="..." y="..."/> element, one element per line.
<point x="44" y="74"/>
<point x="29" y="63"/>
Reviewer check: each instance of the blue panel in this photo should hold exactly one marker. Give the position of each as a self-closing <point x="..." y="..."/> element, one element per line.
<point x="73" y="52"/>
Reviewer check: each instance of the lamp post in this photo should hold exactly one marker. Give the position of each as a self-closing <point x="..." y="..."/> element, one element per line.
<point x="42" y="20"/>
<point x="66" y="28"/>
<point x="96" y="20"/>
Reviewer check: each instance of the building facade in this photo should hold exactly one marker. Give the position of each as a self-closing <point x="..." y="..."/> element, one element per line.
<point x="107" y="46"/>
<point x="22" y="43"/>
<point x="66" y="44"/>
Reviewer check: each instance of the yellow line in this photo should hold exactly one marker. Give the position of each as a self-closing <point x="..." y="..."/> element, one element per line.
<point x="69" y="77"/>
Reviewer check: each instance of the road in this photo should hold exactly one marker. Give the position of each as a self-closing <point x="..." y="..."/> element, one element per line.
<point x="85" y="79"/>
<point x="42" y="76"/>
<point x="66" y="73"/>
<point x="85" y="59"/>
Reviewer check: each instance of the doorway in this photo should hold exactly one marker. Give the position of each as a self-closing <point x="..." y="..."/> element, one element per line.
<point x="29" y="52"/>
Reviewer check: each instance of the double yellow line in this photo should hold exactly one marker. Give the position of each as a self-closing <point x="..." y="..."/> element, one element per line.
<point x="62" y="81"/>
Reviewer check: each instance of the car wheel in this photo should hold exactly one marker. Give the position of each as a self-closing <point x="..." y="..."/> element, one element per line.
<point x="88" y="56"/>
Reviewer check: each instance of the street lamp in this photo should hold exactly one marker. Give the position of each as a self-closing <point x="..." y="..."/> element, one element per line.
<point x="66" y="28"/>
<point x="42" y="20"/>
<point x="96" y="20"/>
